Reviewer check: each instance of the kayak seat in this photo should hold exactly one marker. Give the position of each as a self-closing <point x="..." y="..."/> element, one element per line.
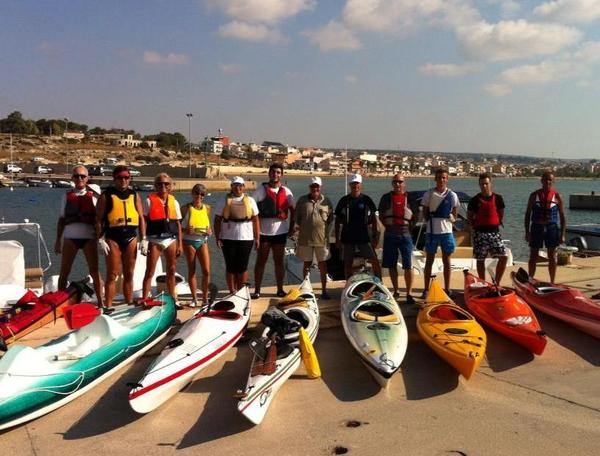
<point x="364" y="316"/>
<point x="98" y="333"/>
<point x="360" y="289"/>
<point x="21" y="359"/>
<point x="223" y="305"/>
<point x="223" y="315"/>
<point x="447" y="313"/>
<point x="374" y="311"/>
<point x="299" y="316"/>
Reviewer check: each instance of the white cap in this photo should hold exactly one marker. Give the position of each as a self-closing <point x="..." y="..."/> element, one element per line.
<point x="316" y="180"/>
<point x="237" y="180"/>
<point x="355" y="178"/>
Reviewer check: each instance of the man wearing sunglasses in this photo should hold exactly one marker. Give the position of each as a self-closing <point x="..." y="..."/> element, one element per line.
<point x="395" y="214"/>
<point x="75" y="228"/>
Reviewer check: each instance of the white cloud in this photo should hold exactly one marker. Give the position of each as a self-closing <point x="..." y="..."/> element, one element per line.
<point x="576" y="65"/>
<point x="507" y="7"/>
<point x="265" y="11"/>
<point x="333" y="36"/>
<point x="250" y="32"/>
<point x="229" y="68"/>
<point x="351" y="79"/>
<point x="155" y="58"/>
<point x="449" y="69"/>
<point x="578" y="11"/>
<point x="498" y="89"/>
<point x="514" y="39"/>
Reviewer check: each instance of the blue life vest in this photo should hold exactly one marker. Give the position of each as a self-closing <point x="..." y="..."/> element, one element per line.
<point x="545" y="207"/>
<point x="444" y="209"/>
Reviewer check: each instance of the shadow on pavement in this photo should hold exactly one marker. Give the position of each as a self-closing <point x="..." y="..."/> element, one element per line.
<point x="219" y="417"/>
<point x="571" y="338"/>
<point x="425" y="374"/>
<point x="342" y="371"/>
<point x="503" y="354"/>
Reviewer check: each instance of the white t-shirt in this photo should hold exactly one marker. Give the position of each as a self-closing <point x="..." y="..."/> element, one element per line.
<point x="274" y="226"/>
<point x="236" y="231"/>
<point x="432" y="199"/>
<point x="77" y="230"/>
<point x="146" y="207"/>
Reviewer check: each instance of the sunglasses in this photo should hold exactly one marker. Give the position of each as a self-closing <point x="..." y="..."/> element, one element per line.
<point x="198" y="194"/>
<point x="79" y="176"/>
<point x="122" y="177"/>
<point x="397" y="181"/>
<point x="163" y="184"/>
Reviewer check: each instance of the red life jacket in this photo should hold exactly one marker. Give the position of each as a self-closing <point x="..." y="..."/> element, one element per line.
<point x="545" y="207"/>
<point x="399" y="208"/>
<point x="487" y="213"/>
<point x="80" y="208"/>
<point x="161" y="215"/>
<point x="274" y="205"/>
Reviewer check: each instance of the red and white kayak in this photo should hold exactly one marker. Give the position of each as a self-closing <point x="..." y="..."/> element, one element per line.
<point x="199" y="342"/>
<point x="506" y="313"/>
<point x="559" y="301"/>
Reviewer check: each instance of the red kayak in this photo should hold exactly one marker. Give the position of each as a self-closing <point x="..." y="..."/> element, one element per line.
<point x="559" y="301"/>
<point x="502" y="310"/>
<point x="32" y="312"/>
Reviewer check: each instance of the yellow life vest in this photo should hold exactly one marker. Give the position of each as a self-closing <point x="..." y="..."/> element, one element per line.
<point x="237" y="211"/>
<point x="123" y="212"/>
<point x="198" y="219"/>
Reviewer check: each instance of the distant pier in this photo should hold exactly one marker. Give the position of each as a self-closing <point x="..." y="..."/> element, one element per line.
<point x="588" y="201"/>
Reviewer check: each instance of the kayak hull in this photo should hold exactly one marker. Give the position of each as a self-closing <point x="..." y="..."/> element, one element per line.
<point x="200" y="341"/>
<point x="374" y="326"/>
<point x="34" y="382"/>
<point x="502" y="310"/>
<point x="260" y="389"/>
<point x="561" y="302"/>
<point x="451" y="332"/>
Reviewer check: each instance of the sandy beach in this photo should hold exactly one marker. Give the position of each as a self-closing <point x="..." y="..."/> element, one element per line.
<point x="514" y="404"/>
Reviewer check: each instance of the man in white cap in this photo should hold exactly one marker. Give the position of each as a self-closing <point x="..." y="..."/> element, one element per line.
<point x="354" y="213"/>
<point x="236" y="231"/>
<point x="314" y="213"/>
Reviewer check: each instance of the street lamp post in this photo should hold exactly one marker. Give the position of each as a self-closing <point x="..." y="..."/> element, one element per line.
<point x="66" y="140"/>
<point x="189" y="116"/>
<point x="206" y="153"/>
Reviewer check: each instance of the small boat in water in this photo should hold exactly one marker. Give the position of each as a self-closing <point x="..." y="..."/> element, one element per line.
<point x="374" y="326"/>
<point x="36" y="381"/>
<point x="585" y="236"/>
<point x="64" y="184"/>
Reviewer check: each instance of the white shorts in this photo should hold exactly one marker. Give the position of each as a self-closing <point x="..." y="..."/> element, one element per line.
<point x="162" y="242"/>
<point x="310" y="253"/>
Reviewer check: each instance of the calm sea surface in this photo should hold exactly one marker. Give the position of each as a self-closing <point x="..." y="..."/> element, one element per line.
<point x="42" y="206"/>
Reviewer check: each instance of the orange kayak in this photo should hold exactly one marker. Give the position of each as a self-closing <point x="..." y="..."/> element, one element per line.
<point x="505" y="312"/>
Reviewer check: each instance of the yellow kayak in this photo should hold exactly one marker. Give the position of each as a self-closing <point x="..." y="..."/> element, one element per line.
<point x="451" y="332"/>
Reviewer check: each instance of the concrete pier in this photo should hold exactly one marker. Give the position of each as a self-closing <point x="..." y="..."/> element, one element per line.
<point x="589" y="201"/>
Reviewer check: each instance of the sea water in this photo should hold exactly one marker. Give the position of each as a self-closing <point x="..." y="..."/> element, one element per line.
<point x="41" y="205"/>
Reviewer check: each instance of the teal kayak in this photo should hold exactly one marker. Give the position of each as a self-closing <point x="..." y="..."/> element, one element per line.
<point x="36" y="381"/>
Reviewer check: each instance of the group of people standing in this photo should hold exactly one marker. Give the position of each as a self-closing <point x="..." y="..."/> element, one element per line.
<point x="114" y="220"/>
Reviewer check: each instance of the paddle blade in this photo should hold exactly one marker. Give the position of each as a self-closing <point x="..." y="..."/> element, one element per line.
<point x="309" y="356"/>
<point x="436" y="293"/>
<point x="78" y="315"/>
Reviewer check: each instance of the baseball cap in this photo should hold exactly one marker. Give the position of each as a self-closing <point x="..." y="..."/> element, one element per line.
<point x="316" y="180"/>
<point x="237" y="180"/>
<point x="355" y="178"/>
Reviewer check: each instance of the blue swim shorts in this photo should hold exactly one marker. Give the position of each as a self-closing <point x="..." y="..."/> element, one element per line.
<point x="445" y="241"/>
<point x="392" y="244"/>
<point x="540" y="235"/>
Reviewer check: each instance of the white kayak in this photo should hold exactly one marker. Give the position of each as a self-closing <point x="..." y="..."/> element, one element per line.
<point x="374" y="325"/>
<point x="201" y="340"/>
<point x="261" y="387"/>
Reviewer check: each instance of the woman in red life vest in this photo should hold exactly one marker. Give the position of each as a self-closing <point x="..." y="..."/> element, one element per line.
<point x="544" y="212"/>
<point x="485" y="213"/>
<point x="76" y="226"/>
<point x="163" y="229"/>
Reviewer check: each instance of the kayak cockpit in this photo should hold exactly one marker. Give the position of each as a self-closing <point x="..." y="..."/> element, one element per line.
<point x="448" y="313"/>
<point x="372" y="310"/>
<point x="359" y="290"/>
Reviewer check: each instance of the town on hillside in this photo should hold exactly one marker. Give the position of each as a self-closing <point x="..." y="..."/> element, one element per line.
<point x="52" y="145"/>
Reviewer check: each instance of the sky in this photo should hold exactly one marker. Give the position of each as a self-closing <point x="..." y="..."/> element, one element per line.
<point x="486" y="76"/>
